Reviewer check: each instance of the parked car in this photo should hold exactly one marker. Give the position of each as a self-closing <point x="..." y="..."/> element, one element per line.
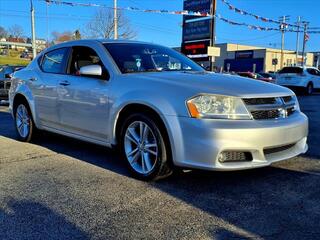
<point x="300" y="78"/>
<point x="6" y="72"/>
<point x="268" y="75"/>
<point x="160" y="108"/>
<point x="256" y="76"/>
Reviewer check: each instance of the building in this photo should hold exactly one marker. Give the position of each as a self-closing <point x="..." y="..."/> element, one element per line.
<point x="316" y="59"/>
<point x="236" y="57"/>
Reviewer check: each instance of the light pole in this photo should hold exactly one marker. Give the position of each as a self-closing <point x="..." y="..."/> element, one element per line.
<point x="213" y="30"/>
<point x="298" y="39"/>
<point x="115" y="19"/>
<point x="283" y="27"/>
<point x="305" y="39"/>
<point x="33" y="38"/>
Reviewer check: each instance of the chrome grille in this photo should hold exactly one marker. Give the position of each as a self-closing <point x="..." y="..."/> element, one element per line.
<point x="270" y="108"/>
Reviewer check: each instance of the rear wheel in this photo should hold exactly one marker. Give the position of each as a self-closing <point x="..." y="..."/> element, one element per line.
<point x="144" y="148"/>
<point x="24" y="124"/>
<point x="309" y="89"/>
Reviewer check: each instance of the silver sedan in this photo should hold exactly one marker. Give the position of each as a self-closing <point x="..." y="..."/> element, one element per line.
<point x="159" y="107"/>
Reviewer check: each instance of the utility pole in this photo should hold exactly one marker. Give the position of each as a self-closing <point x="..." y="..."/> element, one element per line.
<point x="34" y="50"/>
<point x="298" y="39"/>
<point x="283" y="27"/>
<point x="213" y="30"/>
<point x="305" y="39"/>
<point x="47" y="23"/>
<point x="115" y="19"/>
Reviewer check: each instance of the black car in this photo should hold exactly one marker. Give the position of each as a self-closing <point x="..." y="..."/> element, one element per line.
<point x="6" y="72"/>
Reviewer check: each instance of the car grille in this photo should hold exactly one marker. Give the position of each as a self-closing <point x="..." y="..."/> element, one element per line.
<point x="1" y="84"/>
<point x="270" y="108"/>
<point x="268" y="114"/>
<point x="259" y="101"/>
<point x="278" y="149"/>
<point x="7" y="85"/>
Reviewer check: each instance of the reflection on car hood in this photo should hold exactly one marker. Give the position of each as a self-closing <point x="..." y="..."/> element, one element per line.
<point x="205" y="82"/>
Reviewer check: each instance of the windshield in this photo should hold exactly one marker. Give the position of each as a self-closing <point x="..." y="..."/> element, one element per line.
<point x="135" y="57"/>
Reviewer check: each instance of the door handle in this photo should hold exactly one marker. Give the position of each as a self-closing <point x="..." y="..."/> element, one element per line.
<point x="33" y="79"/>
<point x="64" y="83"/>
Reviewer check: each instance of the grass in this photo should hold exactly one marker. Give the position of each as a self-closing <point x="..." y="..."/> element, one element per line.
<point x="13" y="61"/>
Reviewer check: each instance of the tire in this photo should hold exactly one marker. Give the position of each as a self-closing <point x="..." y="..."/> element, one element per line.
<point x="309" y="89"/>
<point x="143" y="146"/>
<point x="23" y="121"/>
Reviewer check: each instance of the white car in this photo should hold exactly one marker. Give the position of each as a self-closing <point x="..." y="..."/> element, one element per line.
<point x="302" y="78"/>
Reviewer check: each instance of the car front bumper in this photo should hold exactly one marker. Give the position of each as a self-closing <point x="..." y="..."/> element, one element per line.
<point x="198" y="143"/>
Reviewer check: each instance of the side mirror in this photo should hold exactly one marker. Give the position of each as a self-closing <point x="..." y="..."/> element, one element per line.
<point x="91" y="70"/>
<point x="8" y="75"/>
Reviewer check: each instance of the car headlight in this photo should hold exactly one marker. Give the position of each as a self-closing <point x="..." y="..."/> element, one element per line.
<point x="217" y="107"/>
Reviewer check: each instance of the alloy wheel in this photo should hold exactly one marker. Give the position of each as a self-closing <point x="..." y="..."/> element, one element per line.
<point x="23" y="121"/>
<point x="141" y="148"/>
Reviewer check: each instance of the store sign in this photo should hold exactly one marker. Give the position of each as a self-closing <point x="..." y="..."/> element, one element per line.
<point x="202" y="6"/>
<point x="198" y="30"/>
<point x="244" y="54"/>
<point x="196" y="49"/>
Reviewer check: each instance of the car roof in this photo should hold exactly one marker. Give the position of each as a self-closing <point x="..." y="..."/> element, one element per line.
<point x="102" y="41"/>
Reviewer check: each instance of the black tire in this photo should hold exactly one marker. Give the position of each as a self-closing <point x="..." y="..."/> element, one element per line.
<point x="161" y="167"/>
<point x="309" y="89"/>
<point x="32" y="128"/>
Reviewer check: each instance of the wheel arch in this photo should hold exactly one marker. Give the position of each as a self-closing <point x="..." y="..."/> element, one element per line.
<point x="131" y="108"/>
<point x="19" y="97"/>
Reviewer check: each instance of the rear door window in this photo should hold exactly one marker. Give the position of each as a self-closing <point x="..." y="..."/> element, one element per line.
<point x="292" y="70"/>
<point x="55" y="61"/>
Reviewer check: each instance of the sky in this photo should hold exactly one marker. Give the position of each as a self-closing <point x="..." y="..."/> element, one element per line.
<point x="166" y="29"/>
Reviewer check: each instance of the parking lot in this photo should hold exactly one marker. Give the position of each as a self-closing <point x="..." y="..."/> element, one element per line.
<point x="59" y="188"/>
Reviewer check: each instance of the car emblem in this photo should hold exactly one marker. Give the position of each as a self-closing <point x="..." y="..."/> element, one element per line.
<point x="283" y="112"/>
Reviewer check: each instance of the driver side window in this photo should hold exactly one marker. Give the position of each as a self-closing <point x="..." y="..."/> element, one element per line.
<point x="84" y="56"/>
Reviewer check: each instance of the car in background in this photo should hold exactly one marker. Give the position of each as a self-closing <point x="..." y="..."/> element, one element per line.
<point x="268" y="75"/>
<point x="256" y="76"/>
<point x="306" y="79"/>
<point x="6" y="73"/>
<point x="26" y="55"/>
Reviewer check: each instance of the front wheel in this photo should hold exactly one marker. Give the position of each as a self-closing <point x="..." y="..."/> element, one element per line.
<point x="23" y="122"/>
<point x="144" y="148"/>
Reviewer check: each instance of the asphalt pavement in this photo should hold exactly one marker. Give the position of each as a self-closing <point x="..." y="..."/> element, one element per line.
<point x="60" y="188"/>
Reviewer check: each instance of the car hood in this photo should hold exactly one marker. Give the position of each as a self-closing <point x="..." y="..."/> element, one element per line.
<point x="206" y="82"/>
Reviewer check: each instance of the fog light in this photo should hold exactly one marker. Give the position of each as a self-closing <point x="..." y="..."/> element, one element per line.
<point x="234" y="156"/>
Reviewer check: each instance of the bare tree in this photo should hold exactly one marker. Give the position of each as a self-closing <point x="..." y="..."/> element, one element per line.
<point x="102" y="25"/>
<point x="3" y="32"/>
<point x="15" y="31"/>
